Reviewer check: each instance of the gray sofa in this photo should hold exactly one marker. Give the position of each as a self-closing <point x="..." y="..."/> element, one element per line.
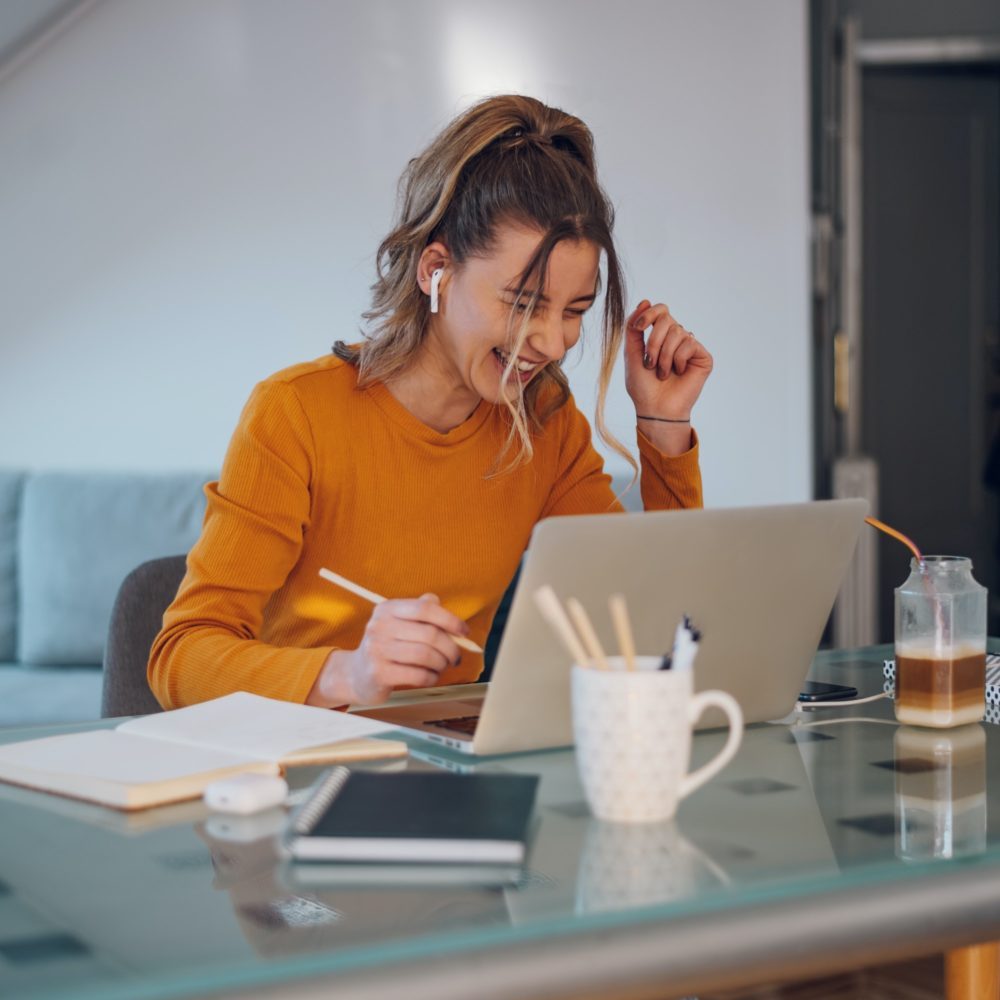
<point x="67" y="540"/>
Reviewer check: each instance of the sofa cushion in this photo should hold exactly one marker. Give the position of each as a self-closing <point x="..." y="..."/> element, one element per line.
<point x="80" y="535"/>
<point x="10" y="501"/>
<point x="36" y="696"/>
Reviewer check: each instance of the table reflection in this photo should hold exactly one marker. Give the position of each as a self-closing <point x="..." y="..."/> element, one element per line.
<point x="940" y="792"/>
<point x="624" y="865"/>
<point x="281" y="911"/>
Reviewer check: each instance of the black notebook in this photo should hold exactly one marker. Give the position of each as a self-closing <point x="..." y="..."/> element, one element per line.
<point x="414" y="816"/>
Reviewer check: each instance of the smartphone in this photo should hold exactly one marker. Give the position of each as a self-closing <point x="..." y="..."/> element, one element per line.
<point x="817" y="691"/>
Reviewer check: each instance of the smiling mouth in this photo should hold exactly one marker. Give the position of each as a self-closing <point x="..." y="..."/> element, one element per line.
<point x="523" y="369"/>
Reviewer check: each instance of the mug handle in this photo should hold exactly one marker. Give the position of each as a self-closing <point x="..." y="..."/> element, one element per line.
<point x="696" y="706"/>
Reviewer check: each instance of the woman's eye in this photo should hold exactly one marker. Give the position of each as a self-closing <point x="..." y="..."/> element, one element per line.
<point x="575" y="313"/>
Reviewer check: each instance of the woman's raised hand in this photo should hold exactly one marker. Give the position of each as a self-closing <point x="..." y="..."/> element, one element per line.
<point x="407" y="643"/>
<point x="666" y="369"/>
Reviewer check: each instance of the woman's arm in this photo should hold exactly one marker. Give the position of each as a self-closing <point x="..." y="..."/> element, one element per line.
<point x="252" y="536"/>
<point x="665" y="372"/>
<point x="667" y="482"/>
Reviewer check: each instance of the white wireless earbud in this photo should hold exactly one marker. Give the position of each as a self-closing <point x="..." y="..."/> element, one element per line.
<point x="435" y="281"/>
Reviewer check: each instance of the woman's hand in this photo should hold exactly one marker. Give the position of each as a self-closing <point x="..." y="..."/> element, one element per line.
<point x="665" y="370"/>
<point x="407" y="643"/>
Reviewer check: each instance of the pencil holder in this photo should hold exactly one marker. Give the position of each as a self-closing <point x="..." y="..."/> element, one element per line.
<point x="632" y="730"/>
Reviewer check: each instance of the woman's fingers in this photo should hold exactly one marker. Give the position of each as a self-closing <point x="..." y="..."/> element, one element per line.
<point x="637" y="321"/>
<point x="662" y="344"/>
<point x="685" y="350"/>
<point x="402" y="653"/>
<point x="635" y="343"/>
<point x="401" y="676"/>
<point x="391" y="663"/>
<point x="389" y="677"/>
<point x="406" y="644"/>
<point x="397" y="647"/>
<point x="669" y="348"/>
<point x="405" y="629"/>
<point x="419" y="632"/>
<point x="427" y="609"/>
<point x="659" y="318"/>
<point x="422" y="634"/>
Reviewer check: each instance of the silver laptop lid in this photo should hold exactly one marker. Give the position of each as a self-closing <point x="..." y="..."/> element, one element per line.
<point x="759" y="582"/>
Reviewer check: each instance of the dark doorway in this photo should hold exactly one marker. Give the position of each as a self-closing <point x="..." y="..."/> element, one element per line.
<point x="931" y="300"/>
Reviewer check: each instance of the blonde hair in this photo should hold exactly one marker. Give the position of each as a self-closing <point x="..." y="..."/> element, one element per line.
<point x="508" y="159"/>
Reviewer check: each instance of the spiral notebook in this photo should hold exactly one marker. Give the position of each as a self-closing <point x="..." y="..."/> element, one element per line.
<point x="414" y="816"/>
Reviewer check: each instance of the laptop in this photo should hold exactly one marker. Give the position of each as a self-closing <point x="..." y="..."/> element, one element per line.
<point x="758" y="582"/>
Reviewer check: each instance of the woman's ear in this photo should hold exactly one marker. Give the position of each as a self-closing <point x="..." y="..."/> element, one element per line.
<point x="434" y="257"/>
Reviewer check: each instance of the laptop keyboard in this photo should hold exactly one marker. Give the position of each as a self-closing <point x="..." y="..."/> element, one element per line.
<point x="463" y="724"/>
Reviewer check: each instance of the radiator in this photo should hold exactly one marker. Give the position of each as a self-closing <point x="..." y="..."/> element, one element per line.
<point x="855" y="613"/>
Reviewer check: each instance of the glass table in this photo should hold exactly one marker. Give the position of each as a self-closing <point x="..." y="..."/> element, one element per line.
<point x="835" y="839"/>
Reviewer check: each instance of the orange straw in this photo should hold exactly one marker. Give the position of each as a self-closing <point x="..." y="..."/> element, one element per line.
<point x="898" y="535"/>
<point x="932" y="596"/>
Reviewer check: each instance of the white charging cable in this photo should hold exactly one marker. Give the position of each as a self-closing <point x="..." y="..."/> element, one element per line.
<point x="802" y="705"/>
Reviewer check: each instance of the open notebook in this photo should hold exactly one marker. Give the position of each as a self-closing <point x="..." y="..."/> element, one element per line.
<point x="172" y="756"/>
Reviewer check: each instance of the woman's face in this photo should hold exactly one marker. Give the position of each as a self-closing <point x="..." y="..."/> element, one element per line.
<point x="470" y="330"/>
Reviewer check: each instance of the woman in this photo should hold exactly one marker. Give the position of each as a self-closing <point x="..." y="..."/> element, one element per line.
<point x="417" y="462"/>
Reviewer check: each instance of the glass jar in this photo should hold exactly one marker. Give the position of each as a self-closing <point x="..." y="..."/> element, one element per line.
<point x="940" y="644"/>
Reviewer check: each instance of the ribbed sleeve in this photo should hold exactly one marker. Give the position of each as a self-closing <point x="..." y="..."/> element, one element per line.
<point x="669" y="482"/>
<point x="255" y="521"/>
<point x="582" y="486"/>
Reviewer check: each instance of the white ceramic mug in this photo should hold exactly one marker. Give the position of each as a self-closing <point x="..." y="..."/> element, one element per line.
<point x="632" y="730"/>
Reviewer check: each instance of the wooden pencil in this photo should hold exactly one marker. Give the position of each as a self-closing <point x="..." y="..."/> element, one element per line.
<point x="587" y="633"/>
<point x="370" y="595"/>
<point x="555" y="615"/>
<point x="623" y="629"/>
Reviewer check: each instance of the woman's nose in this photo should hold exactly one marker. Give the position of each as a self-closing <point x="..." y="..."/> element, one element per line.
<point x="549" y="337"/>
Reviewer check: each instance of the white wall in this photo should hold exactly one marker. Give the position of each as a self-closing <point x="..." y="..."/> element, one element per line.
<point x="191" y="194"/>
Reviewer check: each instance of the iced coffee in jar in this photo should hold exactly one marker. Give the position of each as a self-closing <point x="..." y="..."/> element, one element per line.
<point x="940" y="644"/>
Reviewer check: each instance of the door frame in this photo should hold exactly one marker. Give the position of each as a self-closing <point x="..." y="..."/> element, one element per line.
<point x="842" y="55"/>
<point x="857" y="55"/>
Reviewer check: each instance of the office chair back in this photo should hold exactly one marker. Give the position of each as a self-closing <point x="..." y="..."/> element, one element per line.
<point x="136" y="619"/>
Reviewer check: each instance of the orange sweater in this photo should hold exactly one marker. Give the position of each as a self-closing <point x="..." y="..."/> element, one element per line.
<point x="320" y="473"/>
